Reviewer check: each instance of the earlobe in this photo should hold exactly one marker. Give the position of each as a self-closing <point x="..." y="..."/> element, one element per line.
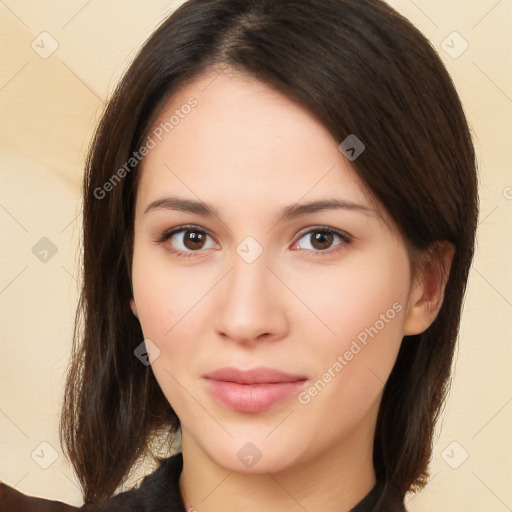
<point x="133" y="307"/>
<point x="427" y="293"/>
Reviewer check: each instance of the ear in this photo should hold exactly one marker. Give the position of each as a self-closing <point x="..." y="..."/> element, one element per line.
<point x="427" y="291"/>
<point x="133" y="307"/>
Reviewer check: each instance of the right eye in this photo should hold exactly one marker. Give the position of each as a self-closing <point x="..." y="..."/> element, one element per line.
<point x="185" y="240"/>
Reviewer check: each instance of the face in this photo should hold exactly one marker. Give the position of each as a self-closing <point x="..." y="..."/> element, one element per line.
<point x="255" y="280"/>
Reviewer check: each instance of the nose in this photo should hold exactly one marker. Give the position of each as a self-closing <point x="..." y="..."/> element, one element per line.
<point x="250" y="305"/>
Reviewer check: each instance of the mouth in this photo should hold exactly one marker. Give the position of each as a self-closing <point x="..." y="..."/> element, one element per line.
<point x="253" y="390"/>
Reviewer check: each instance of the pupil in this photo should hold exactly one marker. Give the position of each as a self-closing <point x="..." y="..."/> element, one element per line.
<point x="325" y="237"/>
<point x="195" y="239"/>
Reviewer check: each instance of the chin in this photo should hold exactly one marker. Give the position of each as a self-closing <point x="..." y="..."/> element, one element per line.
<point x="254" y="457"/>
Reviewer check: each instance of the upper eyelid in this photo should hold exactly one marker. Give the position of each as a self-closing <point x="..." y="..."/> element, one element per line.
<point x="320" y="227"/>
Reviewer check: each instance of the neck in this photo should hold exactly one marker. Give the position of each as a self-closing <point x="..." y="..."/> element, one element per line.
<point x="333" y="481"/>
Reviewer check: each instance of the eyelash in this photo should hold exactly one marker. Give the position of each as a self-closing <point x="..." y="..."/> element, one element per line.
<point x="344" y="237"/>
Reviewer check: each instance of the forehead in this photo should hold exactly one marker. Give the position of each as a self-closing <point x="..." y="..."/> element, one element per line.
<point x="244" y="139"/>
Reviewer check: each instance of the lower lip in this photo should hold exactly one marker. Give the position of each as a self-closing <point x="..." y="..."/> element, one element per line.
<point x="252" y="397"/>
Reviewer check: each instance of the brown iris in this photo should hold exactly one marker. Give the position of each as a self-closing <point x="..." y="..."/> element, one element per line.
<point x="193" y="239"/>
<point x="321" y="240"/>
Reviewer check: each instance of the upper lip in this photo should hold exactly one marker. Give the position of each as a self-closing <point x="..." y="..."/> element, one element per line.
<point x="257" y="375"/>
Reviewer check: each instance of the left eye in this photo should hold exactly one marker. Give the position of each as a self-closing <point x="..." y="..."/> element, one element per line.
<point x="321" y="240"/>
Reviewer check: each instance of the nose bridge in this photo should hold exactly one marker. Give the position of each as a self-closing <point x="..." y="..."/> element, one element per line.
<point x="248" y="307"/>
<point x="246" y="286"/>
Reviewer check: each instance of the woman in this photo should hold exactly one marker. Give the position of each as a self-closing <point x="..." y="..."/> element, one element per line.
<point x="280" y="206"/>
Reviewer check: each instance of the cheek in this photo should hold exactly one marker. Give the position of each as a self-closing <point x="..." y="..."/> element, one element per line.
<point x="365" y="306"/>
<point x="169" y="310"/>
<point x="162" y="295"/>
<point x="364" y="291"/>
<point x="164" y="307"/>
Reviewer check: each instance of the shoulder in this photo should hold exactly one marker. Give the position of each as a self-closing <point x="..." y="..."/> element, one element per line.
<point x="157" y="491"/>
<point x="12" y="500"/>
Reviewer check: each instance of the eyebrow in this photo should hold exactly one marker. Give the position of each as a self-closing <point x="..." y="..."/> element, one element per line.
<point x="288" y="213"/>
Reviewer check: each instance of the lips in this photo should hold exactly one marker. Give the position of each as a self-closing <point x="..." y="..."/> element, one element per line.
<point x="252" y="390"/>
<point x="260" y="375"/>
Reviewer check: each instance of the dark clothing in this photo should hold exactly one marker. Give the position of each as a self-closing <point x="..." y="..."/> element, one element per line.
<point x="158" y="492"/>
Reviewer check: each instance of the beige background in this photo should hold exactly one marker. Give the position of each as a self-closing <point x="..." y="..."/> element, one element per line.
<point x="48" y="110"/>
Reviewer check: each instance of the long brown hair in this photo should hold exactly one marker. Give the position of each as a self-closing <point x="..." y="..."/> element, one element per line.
<point x="362" y="69"/>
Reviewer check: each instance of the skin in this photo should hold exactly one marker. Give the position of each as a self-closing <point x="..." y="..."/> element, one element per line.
<point x="249" y="151"/>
